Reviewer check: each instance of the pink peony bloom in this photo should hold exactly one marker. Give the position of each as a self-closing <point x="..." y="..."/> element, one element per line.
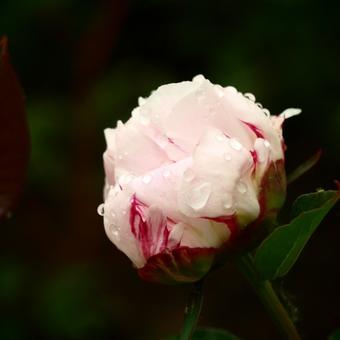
<point x="191" y="174"/>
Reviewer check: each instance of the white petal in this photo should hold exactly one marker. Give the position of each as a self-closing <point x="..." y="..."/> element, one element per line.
<point x="290" y="113"/>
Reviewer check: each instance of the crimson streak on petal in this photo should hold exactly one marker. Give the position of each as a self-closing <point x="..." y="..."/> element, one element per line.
<point x="255" y="129"/>
<point x="149" y="226"/>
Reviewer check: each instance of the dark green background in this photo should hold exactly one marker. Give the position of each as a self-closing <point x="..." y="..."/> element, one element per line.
<point x="83" y="64"/>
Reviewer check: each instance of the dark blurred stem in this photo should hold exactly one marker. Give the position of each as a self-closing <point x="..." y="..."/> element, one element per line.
<point x="192" y="311"/>
<point x="267" y="295"/>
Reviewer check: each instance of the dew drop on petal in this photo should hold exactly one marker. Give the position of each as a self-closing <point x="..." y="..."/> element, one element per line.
<point x="101" y="210"/>
<point x="115" y="233"/>
<point x="266" y="144"/>
<point x="147" y="179"/>
<point x="125" y="179"/>
<point x="227" y="156"/>
<point x="227" y="203"/>
<point x="230" y="89"/>
<point x="250" y="96"/>
<point x="259" y="105"/>
<point x="235" y="144"/>
<point x="241" y="187"/>
<point x="199" y="196"/>
<point x="120" y="157"/>
<point x="166" y="173"/>
<point x="266" y="112"/>
<point x="124" y="212"/>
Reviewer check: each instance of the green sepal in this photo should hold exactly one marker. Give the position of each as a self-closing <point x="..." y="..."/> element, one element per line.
<point x="280" y="250"/>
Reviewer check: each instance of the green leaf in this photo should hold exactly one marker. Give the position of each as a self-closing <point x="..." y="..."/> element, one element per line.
<point x="335" y="335"/>
<point x="304" y="167"/>
<point x="281" y="249"/>
<point x="210" y="334"/>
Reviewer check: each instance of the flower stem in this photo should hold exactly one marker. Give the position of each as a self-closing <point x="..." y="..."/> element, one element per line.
<point x="267" y="295"/>
<point x="192" y="311"/>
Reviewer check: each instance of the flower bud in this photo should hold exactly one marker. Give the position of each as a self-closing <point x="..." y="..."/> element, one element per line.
<point x="195" y="168"/>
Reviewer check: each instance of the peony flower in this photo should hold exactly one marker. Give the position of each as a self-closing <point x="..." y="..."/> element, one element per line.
<point x="195" y="169"/>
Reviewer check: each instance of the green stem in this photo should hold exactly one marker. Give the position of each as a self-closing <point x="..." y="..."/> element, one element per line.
<point x="192" y="311"/>
<point x="267" y="295"/>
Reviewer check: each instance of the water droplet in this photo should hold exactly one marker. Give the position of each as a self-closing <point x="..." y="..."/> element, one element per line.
<point x="141" y="101"/>
<point x="266" y="112"/>
<point x="220" y="137"/>
<point x="120" y="157"/>
<point x="124" y="212"/>
<point x="230" y="89"/>
<point x="227" y="156"/>
<point x="125" y="179"/>
<point x="227" y="203"/>
<point x="199" y="196"/>
<point x="250" y="96"/>
<point x="235" y="144"/>
<point x="166" y="173"/>
<point x="147" y="179"/>
<point x="120" y="124"/>
<point x="266" y="144"/>
<point x="241" y="187"/>
<point x="259" y="105"/>
<point x="101" y="210"/>
<point x="188" y="175"/>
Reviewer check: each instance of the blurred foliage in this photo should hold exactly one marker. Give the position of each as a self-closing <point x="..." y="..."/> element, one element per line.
<point x="59" y="275"/>
<point x="72" y="305"/>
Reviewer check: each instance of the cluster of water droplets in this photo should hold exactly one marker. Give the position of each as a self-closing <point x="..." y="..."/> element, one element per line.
<point x="111" y="219"/>
<point x="205" y="100"/>
<point x="252" y="98"/>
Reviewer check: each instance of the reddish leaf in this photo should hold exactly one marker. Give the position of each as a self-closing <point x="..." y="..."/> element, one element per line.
<point x="14" y="139"/>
